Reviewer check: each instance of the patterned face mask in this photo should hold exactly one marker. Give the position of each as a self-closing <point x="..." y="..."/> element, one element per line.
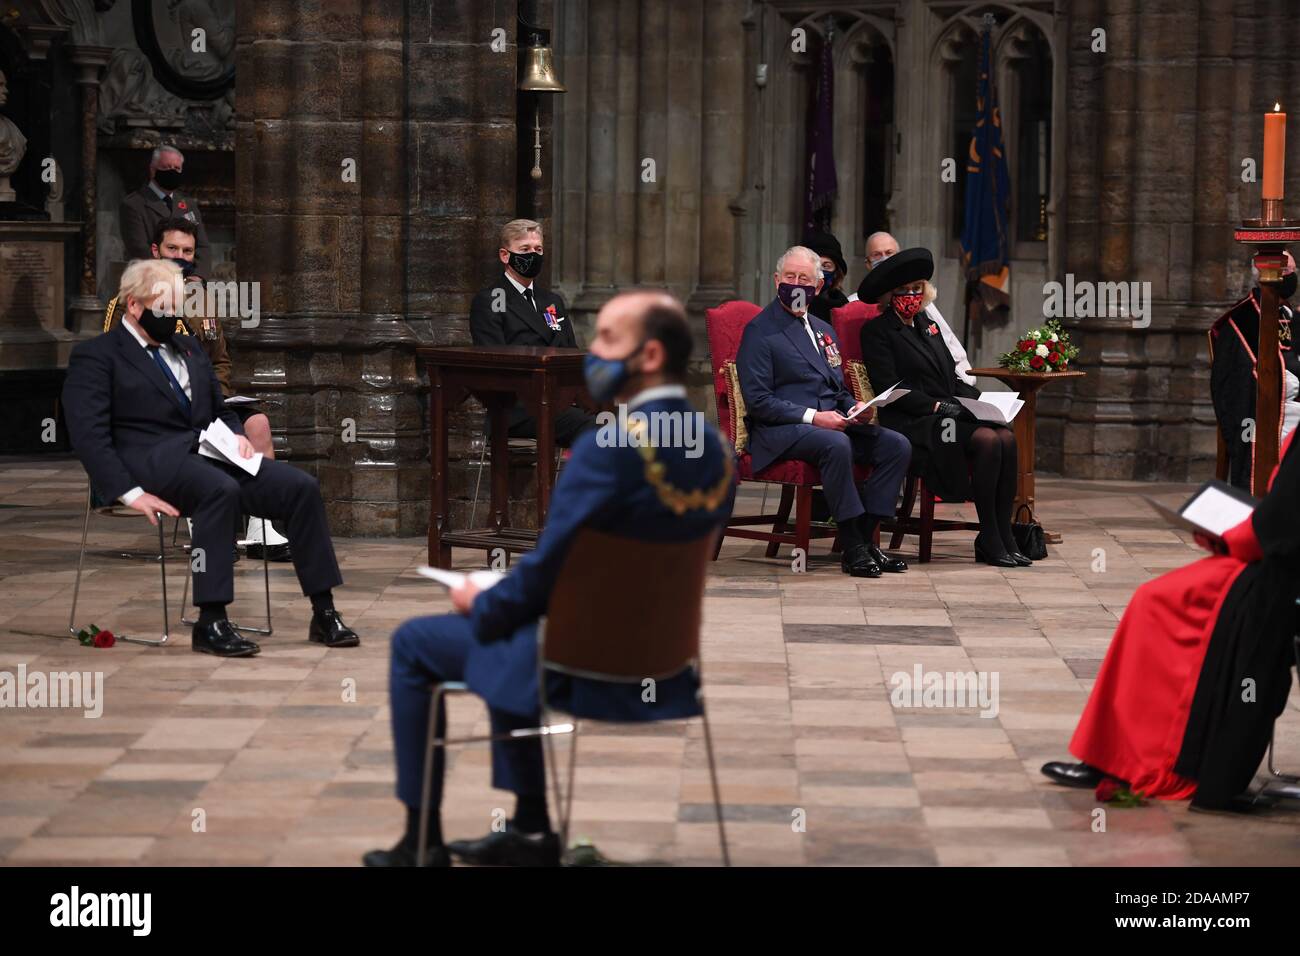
<point x="907" y="304"/>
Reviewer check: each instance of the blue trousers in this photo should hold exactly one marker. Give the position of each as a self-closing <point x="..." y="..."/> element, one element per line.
<point x="834" y="454"/>
<point x="430" y="650"/>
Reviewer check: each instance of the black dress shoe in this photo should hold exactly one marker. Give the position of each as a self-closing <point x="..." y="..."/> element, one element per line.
<point x="404" y="855"/>
<point x="328" y="628"/>
<point x="1074" y="774"/>
<point x="857" y="561"/>
<point x="997" y="560"/>
<point x="1241" y="803"/>
<point x="509" y="847"/>
<point x="1019" y="558"/>
<point x="892" y="565"/>
<point x="221" y="638"/>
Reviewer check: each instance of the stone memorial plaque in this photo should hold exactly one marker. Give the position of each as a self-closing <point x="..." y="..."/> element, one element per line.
<point x="31" y="284"/>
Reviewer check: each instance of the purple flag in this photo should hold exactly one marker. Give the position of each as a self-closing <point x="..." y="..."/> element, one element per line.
<point x="821" y="145"/>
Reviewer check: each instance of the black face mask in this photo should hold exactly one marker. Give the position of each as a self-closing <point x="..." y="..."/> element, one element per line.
<point x="187" y="267"/>
<point x="160" y="328"/>
<point x="167" y="179"/>
<point x="527" y="264"/>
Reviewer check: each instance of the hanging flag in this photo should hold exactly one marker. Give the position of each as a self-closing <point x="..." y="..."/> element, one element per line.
<point x="821" y="144"/>
<point x="984" y="249"/>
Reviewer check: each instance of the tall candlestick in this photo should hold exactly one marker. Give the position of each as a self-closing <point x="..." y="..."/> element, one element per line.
<point x="1274" y="170"/>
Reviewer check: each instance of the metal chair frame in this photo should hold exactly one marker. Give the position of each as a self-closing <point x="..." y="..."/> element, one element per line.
<point x="547" y="730"/>
<point x="120" y="512"/>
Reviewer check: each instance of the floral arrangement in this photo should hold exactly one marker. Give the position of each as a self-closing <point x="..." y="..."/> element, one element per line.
<point x="1044" y="349"/>
<point x="93" y="637"/>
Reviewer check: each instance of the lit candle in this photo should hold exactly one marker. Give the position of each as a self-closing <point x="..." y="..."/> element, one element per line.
<point x="1274" y="152"/>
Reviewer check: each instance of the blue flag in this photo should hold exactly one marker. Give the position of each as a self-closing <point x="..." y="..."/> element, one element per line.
<point x="988" y="185"/>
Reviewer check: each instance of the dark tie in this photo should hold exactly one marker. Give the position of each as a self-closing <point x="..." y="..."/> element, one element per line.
<point x="528" y="294"/>
<point x="176" y="386"/>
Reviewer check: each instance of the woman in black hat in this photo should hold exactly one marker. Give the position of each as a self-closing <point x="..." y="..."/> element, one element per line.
<point x="834" y="269"/>
<point x="960" y="457"/>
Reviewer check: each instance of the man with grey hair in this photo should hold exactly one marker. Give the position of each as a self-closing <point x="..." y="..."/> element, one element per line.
<point x="799" y="409"/>
<point x="880" y="246"/>
<point x="156" y="201"/>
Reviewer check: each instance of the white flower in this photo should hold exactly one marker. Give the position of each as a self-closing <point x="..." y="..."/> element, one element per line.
<point x="1055" y="337"/>
<point x="1042" y="350"/>
<point x="1036" y="335"/>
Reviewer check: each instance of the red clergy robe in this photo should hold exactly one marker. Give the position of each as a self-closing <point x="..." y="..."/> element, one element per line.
<point x="1134" y="724"/>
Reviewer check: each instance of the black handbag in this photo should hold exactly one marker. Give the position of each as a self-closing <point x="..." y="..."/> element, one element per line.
<point x="1029" y="535"/>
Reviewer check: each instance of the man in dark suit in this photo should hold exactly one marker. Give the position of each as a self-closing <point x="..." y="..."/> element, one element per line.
<point x="514" y="311"/>
<point x="135" y="399"/>
<point x="639" y="357"/>
<point x="159" y="200"/>
<point x="796" y="405"/>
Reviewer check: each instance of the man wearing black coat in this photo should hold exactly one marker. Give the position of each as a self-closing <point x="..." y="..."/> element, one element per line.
<point x="136" y="399"/>
<point x="514" y="311"/>
<point x="158" y="200"/>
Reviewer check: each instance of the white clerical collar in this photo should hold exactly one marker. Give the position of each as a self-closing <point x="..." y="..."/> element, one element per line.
<point x="518" y="288"/>
<point x="656" y="394"/>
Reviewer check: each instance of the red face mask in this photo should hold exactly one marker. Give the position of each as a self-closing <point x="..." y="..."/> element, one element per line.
<point x="907" y="304"/>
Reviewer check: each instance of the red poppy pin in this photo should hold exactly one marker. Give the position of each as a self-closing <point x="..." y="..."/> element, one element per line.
<point x="932" y="329"/>
<point x="553" y="319"/>
<point x="181" y="205"/>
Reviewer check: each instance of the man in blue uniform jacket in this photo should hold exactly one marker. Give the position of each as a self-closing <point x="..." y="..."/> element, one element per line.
<point x="797" y="407"/>
<point x="639" y="356"/>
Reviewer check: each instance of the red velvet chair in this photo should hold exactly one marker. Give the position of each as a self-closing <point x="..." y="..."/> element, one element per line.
<point x="726" y="323"/>
<point x="847" y="322"/>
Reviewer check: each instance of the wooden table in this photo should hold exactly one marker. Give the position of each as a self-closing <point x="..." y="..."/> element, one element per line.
<point x="543" y="380"/>
<point x="1026" y="425"/>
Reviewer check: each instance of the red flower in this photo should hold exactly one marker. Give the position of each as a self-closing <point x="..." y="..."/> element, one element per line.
<point x="1026" y="346"/>
<point x="104" y="639"/>
<point x="181" y="204"/>
<point x="1107" y="789"/>
<point x="1036" y="362"/>
<point x="1054" y="358"/>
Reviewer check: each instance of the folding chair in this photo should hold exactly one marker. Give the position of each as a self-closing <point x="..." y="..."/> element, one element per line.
<point x="588" y="636"/>
<point x="101" y="506"/>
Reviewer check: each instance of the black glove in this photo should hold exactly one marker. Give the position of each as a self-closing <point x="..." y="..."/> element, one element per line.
<point x="955" y="411"/>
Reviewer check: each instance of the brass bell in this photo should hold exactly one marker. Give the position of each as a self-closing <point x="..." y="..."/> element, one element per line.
<point x="539" y="72"/>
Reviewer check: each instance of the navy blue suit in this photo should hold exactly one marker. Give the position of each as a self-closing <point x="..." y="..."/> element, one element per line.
<point x="782" y="375"/>
<point x="129" y="428"/>
<point x="494" y="648"/>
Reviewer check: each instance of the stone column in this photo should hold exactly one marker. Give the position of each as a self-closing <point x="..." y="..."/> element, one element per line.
<point x="722" y="165"/>
<point x="86" y="309"/>
<point x="353" y="274"/>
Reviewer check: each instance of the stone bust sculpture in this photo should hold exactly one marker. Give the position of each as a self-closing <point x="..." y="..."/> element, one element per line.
<point x="12" y="145"/>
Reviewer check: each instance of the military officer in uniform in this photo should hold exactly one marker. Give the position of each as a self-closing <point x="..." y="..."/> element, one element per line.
<point x="514" y="311"/>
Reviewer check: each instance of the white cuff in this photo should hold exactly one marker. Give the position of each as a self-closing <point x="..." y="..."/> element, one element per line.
<point x="808" y="416"/>
<point x="131" y="495"/>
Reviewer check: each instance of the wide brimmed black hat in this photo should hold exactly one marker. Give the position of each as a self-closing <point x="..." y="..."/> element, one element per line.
<point x="902" y="268"/>
<point x="824" y="244"/>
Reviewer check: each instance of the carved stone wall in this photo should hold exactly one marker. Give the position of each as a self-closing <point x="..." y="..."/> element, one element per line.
<point x="354" y="274"/>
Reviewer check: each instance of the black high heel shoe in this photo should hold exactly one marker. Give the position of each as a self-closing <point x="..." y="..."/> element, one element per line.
<point x="998" y="561"/>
